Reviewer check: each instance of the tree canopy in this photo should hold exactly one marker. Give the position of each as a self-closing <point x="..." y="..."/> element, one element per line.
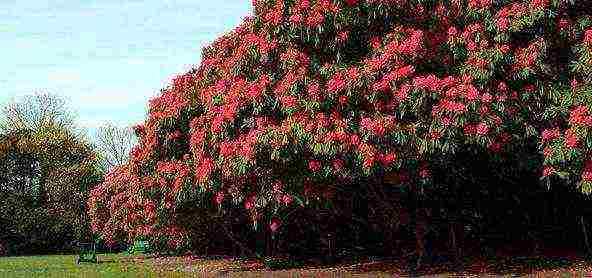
<point x="46" y="172"/>
<point x="307" y="96"/>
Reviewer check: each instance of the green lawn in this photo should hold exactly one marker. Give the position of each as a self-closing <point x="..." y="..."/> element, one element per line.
<point x="111" y="265"/>
<point x="115" y="265"/>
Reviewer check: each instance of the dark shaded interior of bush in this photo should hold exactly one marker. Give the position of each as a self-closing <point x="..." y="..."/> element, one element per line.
<point x="488" y="213"/>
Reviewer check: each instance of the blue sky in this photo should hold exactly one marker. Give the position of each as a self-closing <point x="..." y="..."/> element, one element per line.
<point x="107" y="57"/>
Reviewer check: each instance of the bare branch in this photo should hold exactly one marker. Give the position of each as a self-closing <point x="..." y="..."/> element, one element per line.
<point x="35" y="112"/>
<point x="115" y="144"/>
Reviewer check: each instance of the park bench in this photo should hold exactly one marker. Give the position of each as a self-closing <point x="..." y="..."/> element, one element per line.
<point x="87" y="252"/>
<point x="139" y="247"/>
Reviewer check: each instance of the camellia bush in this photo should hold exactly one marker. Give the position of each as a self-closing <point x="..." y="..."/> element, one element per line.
<point x="308" y="95"/>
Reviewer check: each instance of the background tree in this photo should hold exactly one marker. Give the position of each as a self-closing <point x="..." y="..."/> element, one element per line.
<point x="36" y="112"/>
<point x="46" y="172"/>
<point x="114" y="143"/>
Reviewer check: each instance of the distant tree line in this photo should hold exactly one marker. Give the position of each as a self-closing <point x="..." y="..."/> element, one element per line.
<point x="47" y="167"/>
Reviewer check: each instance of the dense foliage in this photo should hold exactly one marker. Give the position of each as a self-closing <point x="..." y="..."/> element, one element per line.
<point x="46" y="173"/>
<point x="45" y="178"/>
<point x="308" y="96"/>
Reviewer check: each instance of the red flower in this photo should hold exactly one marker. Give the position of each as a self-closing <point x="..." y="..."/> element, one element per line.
<point x="563" y="24"/>
<point x="495" y="147"/>
<point x="413" y="44"/>
<point x="175" y="135"/>
<point x="548" y="171"/>
<point x="368" y="162"/>
<point x="472" y="93"/>
<point x="375" y="42"/>
<point x="574" y="84"/>
<point x="486" y="98"/>
<point x="336" y="83"/>
<point x="254" y="91"/>
<point x="353" y="74"/>
<point x="278" y="186"/>
<point x="219" y="198"/>
<point x="227" y="149"/>
<point x="550" y="134"/>
<point x="314" y="165"/>
<point x="405" y="71"/>
<point x="351" y="2"/>
<point x="250" y="203"/>
<point x="274" y="225"/>
<point x="296" y="18"/>
<point x="469" y="129"/>
<point x="571" y="139"/>
<point x="588" y="37"/>
<point x="435" y="135"/>
<point x="452" y="32"/>
<point x="538" y="4"/>
<point x="139" y="129"/>
<point x="315" y="19"/>
<point x="578" y="115"/>
<point x="425" y="174"/>
<point x="482" y="129"/>
<point x="355" y="140"/>
<point x="338" y="164"/>
<point x="287" y="199"/>
<point x="342" y="36"/>
<point x="502" y="24"/>
<point x="288" y="101"/>
<point x="485" y="4"/>
<point x="366" y="123"/>
<point x="388" y="159"/>
<point x="314" y="91"/>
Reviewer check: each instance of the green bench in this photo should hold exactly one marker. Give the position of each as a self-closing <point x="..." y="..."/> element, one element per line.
<point x="87" y="252"/>
<point x="139" y="247"/>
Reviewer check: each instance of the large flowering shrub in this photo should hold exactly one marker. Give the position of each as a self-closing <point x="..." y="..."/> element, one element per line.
<point x="307" y="95"/>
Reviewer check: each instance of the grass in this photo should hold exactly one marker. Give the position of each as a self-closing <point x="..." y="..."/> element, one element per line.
<point x="117" y="265"/>
<point x="110" y="265"/>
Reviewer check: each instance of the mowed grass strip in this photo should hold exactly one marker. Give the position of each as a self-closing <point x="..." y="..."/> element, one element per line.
<point x="111" y="265"/>
<point x="117" y="265"/>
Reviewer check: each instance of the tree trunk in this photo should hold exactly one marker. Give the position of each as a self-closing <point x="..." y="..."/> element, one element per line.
<point x="230" y="235"/>
<point x="585" y="232"/>
<point x="454" y="242"/>
<point x="421" y="227"/>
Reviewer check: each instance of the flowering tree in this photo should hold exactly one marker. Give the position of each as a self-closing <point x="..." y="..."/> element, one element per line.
<point x="307" y="95"/>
